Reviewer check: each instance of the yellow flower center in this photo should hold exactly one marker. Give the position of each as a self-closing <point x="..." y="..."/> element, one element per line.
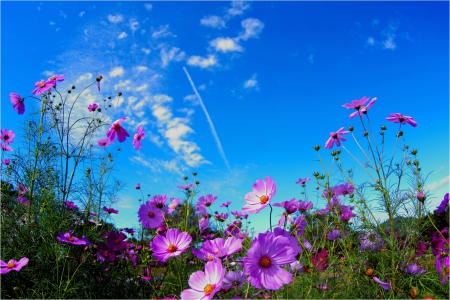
<point x="209" y="288"/>
<point x="209" y="257"/>
<point x="42" y="84"/>
<point x="71" y="239"/>
<point x="172" y="248"/>
<point x="264" y="199"/>
<point x="11" y="265"/>
<point x="265" y="262"/>
<point x="53" y="77"/>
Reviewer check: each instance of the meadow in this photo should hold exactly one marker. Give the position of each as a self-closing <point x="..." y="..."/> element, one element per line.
<point x="57" y="240"/>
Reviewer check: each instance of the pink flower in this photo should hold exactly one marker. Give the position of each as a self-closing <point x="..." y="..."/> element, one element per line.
<point x="6" y="147"/>
<point x="302" y="181"/>
<point x="336" y="137"/>
<point x="226" y="204"/>
<point x="23" y="200"/>
<point x="186" y="187"/>
<point x="150" y="216"/>
<point x="204" y="285"/>
<point x="71" y="205"/>
<point x="117" y="129"/>
<point x="384" y="285"/>
<point x="359" y="106"/>
<point x="444" y="204"/>
<point x="110" y="210"/>
<point x="17" y="102"/>
<point x="204" y="222"/>
<point x="92" y="107"/>
<point x="173" y="205"/>
<point x="263" y="191"/>
<point x="6" y="161"/>
<point x="173" y="244"/>
<point x="138" y="136"/>
<point x="12" y="265"/>
<point x="7" y="136"/>
<point x="57" y="77"/>
<point x="320" y="260"/>
<point x="22" y="189"/>
<point x="138" y="186"/>
<point x="399" y="118"/>
<point x="104" y="143"/>
<point x="70" y="239"/>
<point x="43" y="86"/>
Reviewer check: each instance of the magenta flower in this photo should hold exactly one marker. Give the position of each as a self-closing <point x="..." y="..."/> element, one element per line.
<point x="234" y="280"/>
<point x="292" y="240"/>
<point x="110" y="210"/>
<point x="138" y="186"/>
<point x="6" y="147"/>
<point x="443" y="271"/>
<point x="157" y="201"/>
<point x="345" y="189"/>
<point x="23" y="200"/>
<point x="226" y="204"/>
<point x="116" y="241"/>
<point x="371" y="241"/>
<point x="186" y="187"/>
<point x="7" y="136"/>
<point x="117" y="129"/>
<point x="399" y="118"/>
<point x="138" y="136"/>
<point x="150" y="216"/>
<point x="304" y="206"/>
<point x="18" y="103"/>
<point x="299" y="225"/>
<point x="384" y="285"/>
<point x="203" y="222"/>
<point x="171" y="245"/>
<point x="43" y="86"/>
<point x="444" y="204"/>
<point x="12" y="265"/>
<point x="302" y="181"/>
<point x="263" y="191"/>
<point x="359" y="106"/>
<point x="320" y="260"/>
<point x="414" y="269"/>
<point x="71" y="205"/>
<point x="264" y="260"/>
<point x="57" y="77"/>
<point x="22" y="189"/>
<point x="6" y="161"/>
<point x="70" y="239"/>
<point x="172" y="206"/>
<point x="92" y="107"/>
<point x="204" y="285"/>
<point x="204" y="202"/>
<point x="334" y="235"/>
<point x="221" y="217"/>
<point x="129" y="230"/>
<point x="221" y="248"/>
<point x="336" y="137"/>
<point x="104" y="143"/>
<point x="237" y="214"/>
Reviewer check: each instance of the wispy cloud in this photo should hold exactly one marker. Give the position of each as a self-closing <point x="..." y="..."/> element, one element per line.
<point x="202" y="62"/>
<point x="238" y="7"/>
<point x="211" y="125"/>
<point x="174" y="54"/>
<point x="122" y="35"/>
<point x="162" y="32"/>
<point x="115" y="19"/>
<point x="251" y="83"/>
<point x="213" y="21"/>
<point x="439" y="184"/>
<point x="311" y="58"/>
<point x="252" y="28"/>
<point x="389" y="42"/>
<point x="81" y="13"/>
<point x="146" y="51"/>
<point x="148" y="6"/>
<point x="134" y="24"/>
<point x="225" y="44"/>
<point x="118" y="71"/>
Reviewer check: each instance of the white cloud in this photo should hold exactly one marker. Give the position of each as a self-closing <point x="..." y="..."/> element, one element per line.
<point x="251" y="83"/>
<point x="225" y="44"/>
<point x="142" y="87"/>
<point x="84" y="77"/>
<point x="441" y="183"/>
<point x="202" y="87"/>
<point x="389" y="43"/>
<point x="134" y="25"/>
<point x="52" y="23"/>
<point x="81" y="13"/>
<point x="202" y="62"/>
<point x="174" y="54"/>
<point x="311" y="58"/>
<point x="162" y="32"/>
<point x="148" y="6"/>
<point x="192" y="99"/>
<point x="238" y="7"/>
<point x="213" y="21"/>
<point x="252" y="28"/>
<point x="85" y="32"/>
<point x="62" y="14"/>
<point x="116" y="72"/>
<point x="122" y="35"/>
<point x="115" y="19"/>
<point x="146" y="51"/>
<point x="370" y="41"/>
<point x="141" y="68"/>
<point x="125" y="85"/>
<point x="57" y="29"/>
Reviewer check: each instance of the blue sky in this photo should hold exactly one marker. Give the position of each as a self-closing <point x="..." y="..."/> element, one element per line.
<point x="272" y="76"/>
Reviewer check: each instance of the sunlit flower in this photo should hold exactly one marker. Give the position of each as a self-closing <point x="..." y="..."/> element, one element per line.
<point x="292" y="240"/>
<point x="12" y="265"/>
<point x="320" y="260"/>
<point x="6" y="161"/>
<point x="204" y="202"/>
<point x="186" y="187"/>
<point x="299" y="225"/>
<point x="104" y="143"/>
<point x="71" y="205"/>
<point x="204" y="222"/>
<point x="226" y="204"/>
<point x="444" y="204"/>
<point x="158" y="201"/>
<point x="384" y="285"/>
<point x="150" y="216"/>
<point x="92" y="107"/>
<point x="70" y="239"/>
<point x="6" y="147"/>
<point x="117" y="129"/>
<point x="110" y="210"/>
<point x="234" y="280"/>
<point x="359" y="106"/>
<point x="290" y="207"/>
<point x="221" y="217"/>
<point x="399" y="118"/>
<point x="302" y="181"/>
<point x="171" y="245"/>
<point x="263" y="191"/>
<point x="57" y="77"/>
<point x="221" y="248"/>
<point x="172" y="206"/>
<point x="336" y="137"/>
<point x="138" y="136"/>
<point x="303" y="206"/>
<point x="345" y="189"/>
<point x="43" y="86"/>
<point x="7" y="136"/>
<point x="18" y="103"/>
<point x="204" y="285"/>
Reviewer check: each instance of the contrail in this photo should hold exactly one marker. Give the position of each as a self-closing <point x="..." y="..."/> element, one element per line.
<point x="211" y="125"/>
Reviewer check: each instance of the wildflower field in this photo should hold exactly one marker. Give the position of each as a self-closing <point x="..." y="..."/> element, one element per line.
<point x="57" y="241"/>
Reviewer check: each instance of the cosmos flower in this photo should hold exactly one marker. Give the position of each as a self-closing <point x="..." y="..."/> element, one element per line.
<point x="290" y="207"/>
<point x="234" y="280"/>
<point x="57" y="77"/>
<point x="116" y="241"/>
<point x="18" y="103"/>
<point x="150" y="216"/>
<point x="71" y="205"/>
<point x="138" y="186"/>
<point x="263" y="191"/>
<point x="98" y="79"/>
<point x="444" y="204"/>
<point x="204" y="285"/>
<point x="104" y="143"/>
<point x="22" y="189"/>
<point x="70" y="239"/>
<point x="399" y="118"/>
<point x="359" y="106"/>
<point x="171" y="245"/>
<point x="129" y="230"/>
<point x="320" y="260"/>
<point x="336" y="137"/>
<point x="264" y="260"/>
<point x="6" y="161"/>
<point x="371" y="241"/>
<point x="303" y="206"/>
<point x="204" y="202"/>
<point x="186" y="187"/>
<point x="443" y="271"/>
<point x="158" y="201"/>
<point x="92" y="107"/>
<point x="334" y="235"/>
<point x="414" y="269"/>
<point x="7" y="136"/>
<point x="6" y="147"/>
<point x="221" y="248"/>
<point x="384" y="285"/>
<point x="23" y="200"/>
<point x="226" y="204"/>
<point x="204" y="222"/>
<point x="345" y="189"/>
<point x="43" y="86"/>
<point x="12" y="265"/>
<point x="138" y="136"/>
<point x="302" y="181"/>
<point x="221" y="217"/>
<point x="299" y="225"/>
<point x="117" y="129"/>
<point x="173" y="205"/>
<point x="292" y="240"/>
<point x="110" y="210"/>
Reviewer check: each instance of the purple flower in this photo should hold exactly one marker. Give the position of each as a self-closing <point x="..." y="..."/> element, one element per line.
<point x="302" y="181"/>
<point x="117" y="129"/>
<point x="234" y="280"/>
<point x="221" y="217"/>
<point x="444" y="271"/>
<point x="129" y="230"/>
<point x="92" y="107"/>
<point x="138" y="136"/>
<point x="70" y="239"/>
<point x="437" y="242"/>
<point x="104" y="254"/>
<point x="226" y="204"/>
<point x="104" y="143"/>
<point x="290" y="207"/>
<point x="264" y="260"/>
<point x="263" y="191"/>
<point x="6" y="161"/>
<point x="150" y="216"/>
<point x="221" y="248"/>
<point x="12" y="265"/>
<point x="186" y="187"/>
<point x="204" y="222"/>
<point x="345" y="189"/>
<point x="444" y="204"/>
<point x="158" y="201"/>
<point x="6" y="147"/>
<point x="421" y="248"/>
<point x="204" y="202"/>
<point x="292" y="240"/>
<point x="204" y="285"/>
<point x="413" y="269"/>
<point x="384" y="285"/>
<point x="346" y="212"/>
<point x="234" y="229"/>
<point x="371" y="241"/>
<point x="7" y="136"/>
<point x="18" y="103"/>
<point x="43" y="86"/>
<point x="71" y="205"/>
<point x="110" y="210"/>
<point x="336" y="137"/>
<point x="307" y="244"/>
<point x="359" y="106"/>
<point x="304" y="206"/>
<point x="116" y="241"/>
<point x="23" y="200"/>
<point x="22" y="189"/>
<point x="173" y="244"/>
<point x="399" y="118"/>
<point x="57" y="77"/>
<point x="172" y="206"/>
<point x="237" y="214"/>
<point x="299" y="225"/>
<point x="334" y="235"/>
<point x="138" y="186"/>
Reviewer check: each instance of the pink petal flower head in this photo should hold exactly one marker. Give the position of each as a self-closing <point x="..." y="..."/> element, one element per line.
<point x="204" y="285"/>
<point x="116" y="128"/>
<point x="204" y="202"/>
<point x="444" y="204"/>
<point x="384" y="285"/>
<point x="186" y="187"/>
<point x="304" y="206"/>
<point x="43" y="86"/>
<point x="292" y="240"/>
<point x="226" y="204"/>
<point x="6" y="147"/>
<point x="70" y="239"/>
<point x="221" y="217"/>
<point x="150" y="216"/>
<point x="22" y="189"/>
<point x="18" y="103"/>
<point x="12" y="265"/>
<point x="104" y="143"/>
<point x="98" y="79"/>
<point x="71" y="205"/>
<point x="204" y="222"/>
<point x="158" y="201"/>
<point x="23" y="200"/>
<point x="399" y="118"/>
<point x="302" y="181"/>
<point x="359" y="106"/>
<point x="234" y="280"/>
<point x="336" y="137"/>
<point x="138" y="136"/>
<point x="171" y="245"/>
<point x="172" y="206"/>
<point x="57" y="77"/>
<point x="110" y="210"/>
<point x="263" y="191"/>
<point x="92" y="107"/>
<point x="7" y="136"/>
<point x="264" y="260"/>
<point x="138" y="186"/>
<point x="6" y="161"/>
<point x="320" y="260"/>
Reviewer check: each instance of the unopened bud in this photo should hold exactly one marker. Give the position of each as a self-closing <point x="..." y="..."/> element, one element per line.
<point x="414" y="152"/>
<point x="351" y="128"/>
<point x="421" y="197"/>
<point x="317" y="147"/>
<point x="383" y="127"/>
<point x="366" y="133"/>
<point x="119" y="93"/>
<point x="370" y="272"/>
<point x="400" y="133"/>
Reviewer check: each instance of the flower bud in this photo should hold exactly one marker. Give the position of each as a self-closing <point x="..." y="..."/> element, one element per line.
<point x="370" y="272"/>
<point x="365" y="133"/>
<point x="400" y="133"/>
<point x="194" y="173"/>
<point x="317" y="147"/>
<point x="99" y="77"/>
<point x="73" y="87"/>
<point x="421" y="197"/>
<point x="414" y="152"/>
<point x="351" y="128"/>
<point x="69" y="91"/>
<point x="414" y="292"/>
<point x="383" y="127"/>
<point x="119" y="93"/>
